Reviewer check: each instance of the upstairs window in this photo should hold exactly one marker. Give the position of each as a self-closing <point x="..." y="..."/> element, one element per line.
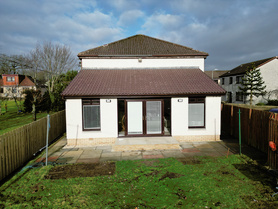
<point x="223" y="81"/>
<point x="10" y="79"/>
<point x="196" y="113"/>
<point x="231" y="80"/>
<point x="91" y="114"/>
<point x="238" y="79"/>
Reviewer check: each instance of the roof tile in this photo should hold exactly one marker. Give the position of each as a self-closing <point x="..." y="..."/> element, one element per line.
<point x="142" y="82"/>
<point x="141" y="45"/>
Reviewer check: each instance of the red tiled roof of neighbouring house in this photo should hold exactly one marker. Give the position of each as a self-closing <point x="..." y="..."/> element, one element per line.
<point x="143" y="46"/>
<point x="241" y="69"/>
<point x="142" y="82"/>
<point x="27" y="82"/>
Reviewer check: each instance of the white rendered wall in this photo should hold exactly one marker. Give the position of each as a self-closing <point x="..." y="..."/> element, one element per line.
<point x="269" y="73"/>
<point x="108" y="119"/>
<point x="146" y="63"/>
<point x="180" y="118"/>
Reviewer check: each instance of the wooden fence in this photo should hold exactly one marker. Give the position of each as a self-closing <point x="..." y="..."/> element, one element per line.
<point x="254" y="125"/>
<point x="18" y="146"/>
<point x="257" y="128"/>
<point x="273" y="136"/>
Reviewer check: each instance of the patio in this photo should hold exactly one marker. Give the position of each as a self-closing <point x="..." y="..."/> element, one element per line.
<point x="60" y="154"/>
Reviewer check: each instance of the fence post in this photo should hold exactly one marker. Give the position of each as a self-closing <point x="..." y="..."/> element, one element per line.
<point x="239" y="131"/>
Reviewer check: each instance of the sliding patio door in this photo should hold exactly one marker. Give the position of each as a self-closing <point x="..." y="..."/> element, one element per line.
<point x="153" y="117"/>
<point x="144" y="117"/>
<point x="134" y="118"/>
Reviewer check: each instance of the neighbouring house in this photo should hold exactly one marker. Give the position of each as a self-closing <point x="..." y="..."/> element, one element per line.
<point x="231" y="80"/>
<point x="214" y="75"/>
<point x="13" y="85"/>
<point x="141" y="86"/>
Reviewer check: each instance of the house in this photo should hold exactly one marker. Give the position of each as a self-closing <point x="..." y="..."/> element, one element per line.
<point x="214" y="75"/>
<point x="141" y="87"/>
<point x="231" y="80"/>
<point x="14" y="84"/>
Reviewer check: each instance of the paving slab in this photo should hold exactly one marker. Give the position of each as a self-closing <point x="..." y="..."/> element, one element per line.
<point x="151" y="152"/>
<point x="87" y="160"/>
<point x="190" y="150"/>
<point x="203" y="146"/>
<point x="135" y="157"/>
<point x="104" y="159"/>
<point x="104" y="148"/>
<point x="152" y="156"/>
<point x="111" y="154"/>
<point x="186" y="145"/>
<point x="167" y="154"/>
<point x="131" y="154"/>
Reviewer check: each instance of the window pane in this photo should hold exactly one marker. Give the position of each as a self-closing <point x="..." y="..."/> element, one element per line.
<point x="91" y="116"/>
<point x="196" y="114"/>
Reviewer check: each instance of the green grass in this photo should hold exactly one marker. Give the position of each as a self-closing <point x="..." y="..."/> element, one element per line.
<point x="12" y="119"/>
<point x="234" y="182"/>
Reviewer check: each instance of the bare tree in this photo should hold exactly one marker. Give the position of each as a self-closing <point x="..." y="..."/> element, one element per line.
<point x="54" y="59"/>
<point x="12" y="64"/>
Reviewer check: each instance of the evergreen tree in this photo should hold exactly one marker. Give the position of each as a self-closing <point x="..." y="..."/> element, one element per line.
<point x="252" y="83"/>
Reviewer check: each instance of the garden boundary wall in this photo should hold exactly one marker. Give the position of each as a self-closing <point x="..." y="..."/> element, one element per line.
<point x="18" y="146"/>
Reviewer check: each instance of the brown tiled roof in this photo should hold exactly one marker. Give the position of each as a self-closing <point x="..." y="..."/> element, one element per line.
<point x="142" y="82"/>
<point x="141" y="45"/>
<point x="27" y="82"/>
<point x="241" y="69"/>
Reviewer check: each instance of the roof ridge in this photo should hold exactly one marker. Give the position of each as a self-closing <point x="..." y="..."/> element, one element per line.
<point x="168" y="48"/>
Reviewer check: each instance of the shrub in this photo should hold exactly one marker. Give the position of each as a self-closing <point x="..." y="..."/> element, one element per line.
<point x="273" y="102"/>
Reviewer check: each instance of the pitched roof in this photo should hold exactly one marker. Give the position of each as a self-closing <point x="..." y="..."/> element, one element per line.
<point x="27" y="81"/>
<point x="241" y="69"/>
<point x="142" y="82"/>
<point x="141" y="45"/>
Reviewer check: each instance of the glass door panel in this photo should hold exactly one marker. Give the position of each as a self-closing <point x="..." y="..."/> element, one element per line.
<point x="153" y="117"/>
<point x="134" y="118"/>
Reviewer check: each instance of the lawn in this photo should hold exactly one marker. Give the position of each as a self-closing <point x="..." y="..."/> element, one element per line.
<point x="12" y="119"/>
<point x="199" y="182"/>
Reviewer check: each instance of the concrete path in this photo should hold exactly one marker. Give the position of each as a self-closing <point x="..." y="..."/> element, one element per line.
<point x="59" y="154"/>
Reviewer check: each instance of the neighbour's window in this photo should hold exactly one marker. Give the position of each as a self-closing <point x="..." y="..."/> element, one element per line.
<point x="196" y="113"/>
<point x="223" y="81"/>
<point x="91" y="114"/>
<point x="10" y="78"/>
<point x="239" y="96"/>
<point x="1" y="90"/>
<point x="231" y="80"/>
<point x="238" y="79"/>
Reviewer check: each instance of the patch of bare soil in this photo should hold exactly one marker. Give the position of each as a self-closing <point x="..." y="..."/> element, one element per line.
<point x="81" y="170"/>
<point x="189" y="161"/>
<point x="170" y="175"/>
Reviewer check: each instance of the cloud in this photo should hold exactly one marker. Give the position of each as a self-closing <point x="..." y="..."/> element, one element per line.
<point x="130" y="17"/>
<point x="232" y="32"/>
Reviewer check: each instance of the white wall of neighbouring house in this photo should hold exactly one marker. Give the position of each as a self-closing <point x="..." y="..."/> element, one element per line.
<point x="269" y="73"/>
<point x="142" y="63"/>
<point x="179" y="121"/>
<point x="108" y="119"/>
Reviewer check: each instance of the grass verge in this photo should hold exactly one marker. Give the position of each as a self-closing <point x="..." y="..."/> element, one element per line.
<point x="12" y="119"/>
<point x="205" y="182"/>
